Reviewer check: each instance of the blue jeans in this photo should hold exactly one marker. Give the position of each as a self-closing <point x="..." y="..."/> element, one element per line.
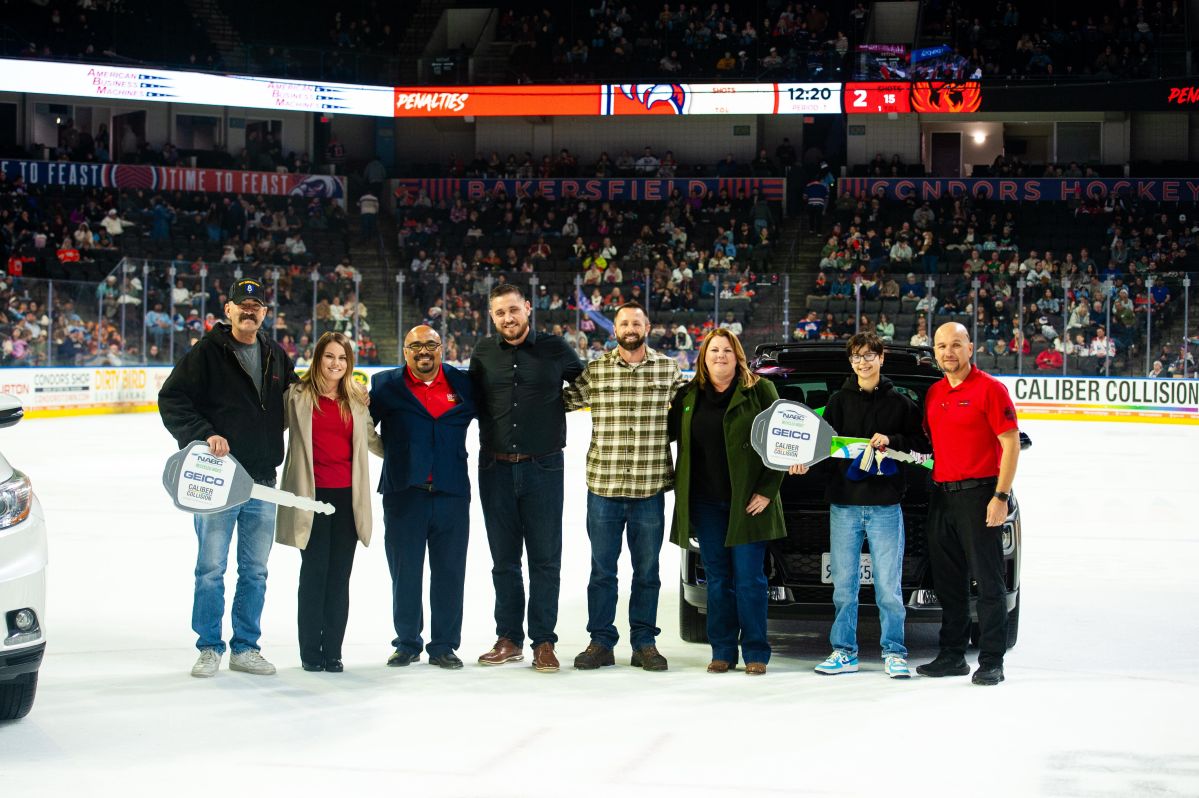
<point x="882" y="527"/>
<point x="736" y="583"/>
<point x="606" y="522"/>
<point x="255" y="521"/>
<point x="522" y="507"/>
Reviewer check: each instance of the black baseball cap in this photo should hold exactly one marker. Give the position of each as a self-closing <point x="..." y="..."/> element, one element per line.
<point x="247" y="289"/>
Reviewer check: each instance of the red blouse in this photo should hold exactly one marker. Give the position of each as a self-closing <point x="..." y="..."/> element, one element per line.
<point x="332" y="446"/>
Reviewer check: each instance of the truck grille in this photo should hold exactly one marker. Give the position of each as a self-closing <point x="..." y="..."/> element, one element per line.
<point x="798" y="556"/>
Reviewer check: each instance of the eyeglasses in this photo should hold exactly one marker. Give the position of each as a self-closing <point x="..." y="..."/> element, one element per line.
<point x="869" y="357"/>
<point x="429" y="346"/>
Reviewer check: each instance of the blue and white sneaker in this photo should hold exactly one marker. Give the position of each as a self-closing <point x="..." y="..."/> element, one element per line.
<point x="896" y="667"/>
<point x="838" y="662"/>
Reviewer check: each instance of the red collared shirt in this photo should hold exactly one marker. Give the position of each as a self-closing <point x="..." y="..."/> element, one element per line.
<point x="964" y="425"/>
<point x="437" y="396"/>
<point x="332" y="446"/>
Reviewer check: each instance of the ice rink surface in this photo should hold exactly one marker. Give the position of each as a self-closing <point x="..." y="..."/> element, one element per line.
<point x="1101" y="697"/>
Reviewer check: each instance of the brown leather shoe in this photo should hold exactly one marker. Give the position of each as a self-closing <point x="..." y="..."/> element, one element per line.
<point x="544" y="659"/>
<point x="755" y="668"/>
<point x="503" y="651"/>
<point x="719" y="666"/>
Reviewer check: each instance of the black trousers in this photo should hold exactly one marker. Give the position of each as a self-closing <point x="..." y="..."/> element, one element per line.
<point x="961" y="545"/>
<point x="815" y="219"/>
<point x="417" y="520"/>
<point x="324" y="597"/>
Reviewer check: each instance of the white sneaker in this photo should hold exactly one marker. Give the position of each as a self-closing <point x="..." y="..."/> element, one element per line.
<point x="251" y="661"/>
<point x="838" y="662"/>
<point x="207" y="663"/>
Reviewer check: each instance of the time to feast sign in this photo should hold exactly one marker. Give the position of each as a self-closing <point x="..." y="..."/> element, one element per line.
<point x="1105" y="399"/>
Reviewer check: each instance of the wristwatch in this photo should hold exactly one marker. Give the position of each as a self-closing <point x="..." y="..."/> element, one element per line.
<point x="1001" y="495"/>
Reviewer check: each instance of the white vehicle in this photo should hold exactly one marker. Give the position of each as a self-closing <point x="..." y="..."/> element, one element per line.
<point x="22" y="582"/>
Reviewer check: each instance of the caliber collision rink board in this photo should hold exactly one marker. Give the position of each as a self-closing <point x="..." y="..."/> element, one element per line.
<point x="1165" y="401"/>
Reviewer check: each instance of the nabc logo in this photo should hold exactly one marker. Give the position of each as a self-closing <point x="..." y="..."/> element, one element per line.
<point x="207" y="478"/>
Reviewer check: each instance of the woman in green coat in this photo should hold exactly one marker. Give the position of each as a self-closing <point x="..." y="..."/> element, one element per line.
<point x="726" y="498"/>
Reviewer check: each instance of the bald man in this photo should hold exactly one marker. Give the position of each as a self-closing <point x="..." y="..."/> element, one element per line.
<point x="424" y="409"/>
<point x="972" y="425"/>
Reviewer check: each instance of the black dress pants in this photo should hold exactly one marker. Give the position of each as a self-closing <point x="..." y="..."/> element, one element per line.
<point x="326" y="562"/>
<point x="961" y="545"/>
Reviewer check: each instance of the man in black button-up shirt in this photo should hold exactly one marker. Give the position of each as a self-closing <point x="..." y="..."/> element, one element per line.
<point x="518" y="378"/>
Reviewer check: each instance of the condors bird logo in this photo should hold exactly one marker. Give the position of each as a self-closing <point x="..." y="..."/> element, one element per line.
<point x="936" y="97"/>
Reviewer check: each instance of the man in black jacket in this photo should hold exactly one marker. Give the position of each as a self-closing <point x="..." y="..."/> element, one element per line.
<point x="864" y="504"/>
<point x="228" y="390"/>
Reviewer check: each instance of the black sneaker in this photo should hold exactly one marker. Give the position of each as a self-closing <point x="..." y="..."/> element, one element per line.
<point x="988" y="675"/>
<point x="945" y="664"/>
<point x="399" y="659"/>
<point x="595" y="656"/>
<point x="648" y="659"/>
<point x="448" y="660"/>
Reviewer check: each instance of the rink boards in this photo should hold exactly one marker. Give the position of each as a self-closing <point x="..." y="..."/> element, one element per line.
<point x="53" y="392"/>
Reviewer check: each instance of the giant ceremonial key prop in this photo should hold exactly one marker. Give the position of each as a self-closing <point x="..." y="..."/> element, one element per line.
<point x="200" y="482"/>
<point x="790" y="433"/>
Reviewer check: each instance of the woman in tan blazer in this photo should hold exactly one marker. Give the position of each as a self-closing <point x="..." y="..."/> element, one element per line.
<point x="330" y="433"/>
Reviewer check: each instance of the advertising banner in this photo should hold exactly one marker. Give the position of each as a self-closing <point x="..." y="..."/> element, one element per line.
<point x="172" y="178"/>
<point x="1105" y="399"/>
<point x="648" y="189"/>
<point x="1176" y="94"/>
<point x="1031" y="189"/>
<point x="46" y="392"/>
<point x="170" y="86"/>
<point x="50" y="392"/>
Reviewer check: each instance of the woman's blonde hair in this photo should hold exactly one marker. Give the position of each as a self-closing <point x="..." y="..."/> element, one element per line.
<point x="746" y="377"/>
<point x="349" y="393"/>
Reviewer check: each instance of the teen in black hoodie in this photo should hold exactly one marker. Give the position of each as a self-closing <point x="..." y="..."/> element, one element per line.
<point x="867" y="508"/>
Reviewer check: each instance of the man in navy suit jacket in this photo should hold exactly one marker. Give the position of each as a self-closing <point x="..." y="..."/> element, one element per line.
<point x="425" y="408"/>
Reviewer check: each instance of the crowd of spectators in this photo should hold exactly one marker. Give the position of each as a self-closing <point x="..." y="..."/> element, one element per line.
<point x="682" y="258"/>
<point x="108" y="31"/>
<point x="81" y="238"/>
<point x="886" y="251"/>
<point x="354" y="41"/>
<point x="1109" y="39"/>
<point x="614" y="40"/>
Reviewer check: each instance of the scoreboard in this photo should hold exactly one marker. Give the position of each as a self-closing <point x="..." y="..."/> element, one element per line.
<point x="877" y="98"/>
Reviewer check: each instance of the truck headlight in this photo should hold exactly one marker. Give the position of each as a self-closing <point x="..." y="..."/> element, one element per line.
<point x="16" y="499"/>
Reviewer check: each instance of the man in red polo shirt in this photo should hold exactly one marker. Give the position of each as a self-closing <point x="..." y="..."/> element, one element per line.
<point x="424" y="408"/>
<point x="972" y="425"/>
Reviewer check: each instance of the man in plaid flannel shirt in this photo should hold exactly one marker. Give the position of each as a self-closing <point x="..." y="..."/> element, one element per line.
<point x="629" y="471"/>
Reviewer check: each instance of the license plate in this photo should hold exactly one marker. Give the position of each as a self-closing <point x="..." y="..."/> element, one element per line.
<point x="865" y="569"/>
